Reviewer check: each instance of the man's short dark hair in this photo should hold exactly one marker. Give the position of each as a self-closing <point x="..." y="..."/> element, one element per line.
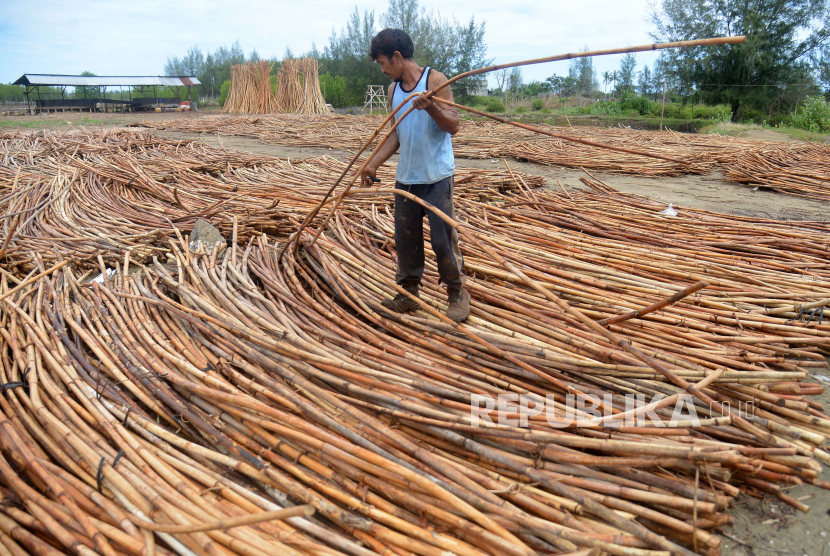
<point x="389" y="41"/>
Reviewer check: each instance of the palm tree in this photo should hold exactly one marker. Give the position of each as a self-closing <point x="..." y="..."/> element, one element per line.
<point x="606" y="79"/>
<point x="614" y="79"/>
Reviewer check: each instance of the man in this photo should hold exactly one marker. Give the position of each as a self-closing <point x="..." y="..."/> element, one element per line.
<point x="425" y="169"/>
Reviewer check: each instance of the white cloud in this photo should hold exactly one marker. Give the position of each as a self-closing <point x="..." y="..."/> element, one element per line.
<point x="135" y="38"/>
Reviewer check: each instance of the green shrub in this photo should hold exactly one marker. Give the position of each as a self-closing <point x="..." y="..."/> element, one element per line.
<point x="752" y="115"/>
<point x="521" y="109"/>
<point x="334" y="90"/>
<point x="656" y="108"/>
<point x="546" y="111"/>
<point x="494" y="106"/>
<point x="678" y="111"/>
<point x="606" y="108"/>
<point x="537" y="104"/>
<point x="702" y="112"/>
<point x="813" y="115"/>
<point x="224" y="90"/>
<point x="780" y="120"/>
<point x="640" y="104"/>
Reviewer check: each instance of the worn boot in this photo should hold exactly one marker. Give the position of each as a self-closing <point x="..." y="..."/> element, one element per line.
<point x="402" y="303"/>
<point x="458" y="304"/>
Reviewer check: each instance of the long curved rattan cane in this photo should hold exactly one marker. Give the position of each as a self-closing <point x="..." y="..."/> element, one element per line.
<point x="718" y="41"/>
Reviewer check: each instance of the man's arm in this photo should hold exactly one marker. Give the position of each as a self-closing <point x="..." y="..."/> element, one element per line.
<point x="445" y="116"/>
<point x="381" y="155"/>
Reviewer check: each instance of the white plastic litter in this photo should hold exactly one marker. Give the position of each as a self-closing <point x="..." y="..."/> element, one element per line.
<point x="823" y="378"/>
<point x="669" y="211"/>
<point x="100" y="277"/>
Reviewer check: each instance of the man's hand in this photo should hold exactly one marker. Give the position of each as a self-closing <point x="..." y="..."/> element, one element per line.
<point x="368" y="176"/>
<point x="422" y="102"/>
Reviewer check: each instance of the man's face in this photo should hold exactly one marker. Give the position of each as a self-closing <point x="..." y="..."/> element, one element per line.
<point x="391" y="67"/>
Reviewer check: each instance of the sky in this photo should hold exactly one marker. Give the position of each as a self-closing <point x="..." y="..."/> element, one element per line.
<point x="135" y="38"/>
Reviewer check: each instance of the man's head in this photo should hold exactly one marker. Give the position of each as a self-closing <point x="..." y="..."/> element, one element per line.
<point x="390" y="48"/>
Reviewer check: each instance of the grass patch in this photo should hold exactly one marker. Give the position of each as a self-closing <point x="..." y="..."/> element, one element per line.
<point x="21" y="123"/>
<point x="635" y="121"/>
<point x="734" y="130"/>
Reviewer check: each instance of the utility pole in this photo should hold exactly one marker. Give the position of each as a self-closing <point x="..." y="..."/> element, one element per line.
<point x="663" y="110"/>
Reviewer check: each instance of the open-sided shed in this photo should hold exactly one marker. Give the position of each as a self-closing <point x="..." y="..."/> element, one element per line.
<point x="140" y="84"/>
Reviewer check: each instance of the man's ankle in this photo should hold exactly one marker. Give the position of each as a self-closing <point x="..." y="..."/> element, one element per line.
<point x="411" y="286"/>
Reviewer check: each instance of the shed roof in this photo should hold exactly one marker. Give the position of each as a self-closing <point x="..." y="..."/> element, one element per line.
<point x="104" y="80"/>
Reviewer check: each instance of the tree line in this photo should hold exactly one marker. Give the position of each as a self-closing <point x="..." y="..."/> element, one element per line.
<point x="784" y="61"/>
<point x="345" y="68"/>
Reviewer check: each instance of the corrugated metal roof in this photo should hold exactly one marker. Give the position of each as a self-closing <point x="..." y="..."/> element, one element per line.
<point x="104" y="80"/>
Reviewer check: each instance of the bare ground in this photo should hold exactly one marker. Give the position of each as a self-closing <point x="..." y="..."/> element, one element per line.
<point x="762" y="527"/>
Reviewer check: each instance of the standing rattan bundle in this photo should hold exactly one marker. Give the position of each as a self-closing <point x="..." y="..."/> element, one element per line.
<point x="251" y="89"/>
<point x="298" y="91"/>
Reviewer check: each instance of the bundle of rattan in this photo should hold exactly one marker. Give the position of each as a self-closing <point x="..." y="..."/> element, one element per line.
<point x="797" y="169"/>
<point x="127" y="191"/>
<point x="298" y="87"/>
<point x="250" y="91"/>
<point x="488" y="139"/>
<point x="172" y="406"/>
<point x="217" y="388"/>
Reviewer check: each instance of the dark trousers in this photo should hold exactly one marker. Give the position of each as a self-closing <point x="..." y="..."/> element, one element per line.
<point x="409" y="234"/>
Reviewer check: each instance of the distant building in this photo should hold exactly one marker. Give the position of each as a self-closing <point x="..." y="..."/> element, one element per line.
<point x="38" y="100"/>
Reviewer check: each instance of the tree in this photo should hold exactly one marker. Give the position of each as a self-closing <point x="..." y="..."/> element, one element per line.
<point x="583" y="72"/>
<point x="347" y="55"/>
<point x="536" y="88"/>
<point x="190" y="65"/>
<point x="502" y="81"/>
<point x="14" y="93"/>
<point x="646" y="83"/>
<point x="87" y="91"/>
<point x="471" y="54"/>
<point x="448" y="46"/>
<point x="212" y="69"/>
<point x="562" y="86"/>
<point x="516" y="79"/>
<point x="627" y="73"/>
<point x="606" y="79"/>
<point x="314" y="53"/>
<point x="787" y="43"/>
<point x="334" y="90"/>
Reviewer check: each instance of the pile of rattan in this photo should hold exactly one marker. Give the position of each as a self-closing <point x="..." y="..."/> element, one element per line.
<point x="801" y="169"/>
<point x="250" y="91"/>
<point x="167" y="405"/>
<point x="298" y="87"/>
<point x="795" y="168"/>
<point x="488" y="139"/>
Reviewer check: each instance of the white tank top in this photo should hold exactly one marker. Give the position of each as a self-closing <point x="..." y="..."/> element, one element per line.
<point x="426" y="150"/>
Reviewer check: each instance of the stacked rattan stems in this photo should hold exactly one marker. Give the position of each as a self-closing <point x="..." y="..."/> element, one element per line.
<point x="250" y="91"/>
<point x="800" y="169"/>
<point x="483" y="140"/>
<point x="86" y="205"/>
<point x="298" y="87"/>
<point x="182" y="389"/>
<point x="792" y="168"/>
